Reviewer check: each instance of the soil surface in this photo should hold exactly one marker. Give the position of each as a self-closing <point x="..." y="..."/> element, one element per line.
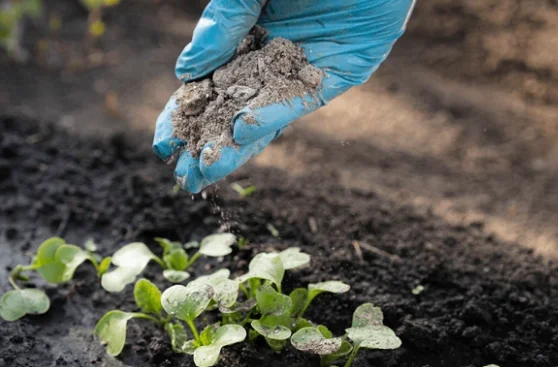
<point x="256" y="77"/>
<point x="443" y="169"/>
<point x="481" y="305"/>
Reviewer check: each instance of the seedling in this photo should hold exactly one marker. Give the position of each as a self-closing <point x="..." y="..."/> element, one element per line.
<point x="243" y="192"/>
<point x="111" y="328"/>
<point x="188" y="303"/>
<point x="417" y="290"/>
<point x="55" y="261"/>
<point x="368" y="331"/>
<point x="281" y="315"/>
<point x="131" y="260"/>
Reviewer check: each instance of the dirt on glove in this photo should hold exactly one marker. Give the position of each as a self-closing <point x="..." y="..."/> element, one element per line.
<point x="257" y="76"/>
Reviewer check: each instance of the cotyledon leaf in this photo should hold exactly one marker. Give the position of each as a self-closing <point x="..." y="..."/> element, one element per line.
<point x="271" y="330"/>
<point x="293" y="258"/>
<point x="332" y="286"/>
<point x="18" y="303"/>
<point x="368" y="330"/>
<point x="267" y="267"/>
<point x="186" y="303"/>
<point x="111" y="330"/>
<point x="179" y="338"/>
<point x="72" y="257"/>
<point x="225" y="290"/>
<point x="130" y="261"/>
<point x="207" y="356"/>
<point x="217" y="245"/>
<point x="271" y="302"/>
<point x="175" y="276"/>
<point x="311" y="340"/>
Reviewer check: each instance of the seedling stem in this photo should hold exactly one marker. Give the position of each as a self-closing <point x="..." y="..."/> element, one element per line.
<point x="352" y="356"/>
<point x="194" y="330"/>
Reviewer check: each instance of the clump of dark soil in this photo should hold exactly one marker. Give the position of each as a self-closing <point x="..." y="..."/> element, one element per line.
<point x="257" y="76"/>
<point x="484" y="301"/>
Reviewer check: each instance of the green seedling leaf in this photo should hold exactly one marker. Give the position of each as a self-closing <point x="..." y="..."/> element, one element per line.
<point x="179" y="339"/>
<point x="46" y="263"/>
<point x="18" y="303"/>
<point x="47" y="251"/>
<point x="325" y="331"/>
<point x="186" y="303"/>
<point x="492" y="365"/>
<point x="267" y="267"/>
<point x="115" y="281"/>
<point x="130" y="260"/>
<point x="345" y="349"/>
<point x="268" y="328"/>
<point x="71" y="257"/>
<point x="293" y="258"/>
<point x="191" y="245"/>
<point x="167" y="245"/>
<point x="417" y="290"/>
<point x="272" y="230"/>
<point x="176" y="259"/>
<point x="207" y="334"/>
<point x="217" y="245"/>
<point x="208" y="355"/>
<point x="148" y="296"/>
<point x="225" y="291"/>
<point x="175" y="276"/>
<point x="313" y="341"/>
<point x="368" y="330"/>
<point x="111" y="330"/>
<point x="104" y="265"/>
<point x="271" y="302"/>
<point x="243" y="192"/>
<point x="298" y="299"/>
<point x="134" y="255"/>
<point x="332" y="286"/>
<point x="90" y="245"/>
<point x="301" y="323"/>
<point x="239" y="307"/>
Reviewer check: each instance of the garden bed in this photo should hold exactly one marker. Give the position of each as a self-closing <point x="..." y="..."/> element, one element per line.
<point x="484" y="301"/>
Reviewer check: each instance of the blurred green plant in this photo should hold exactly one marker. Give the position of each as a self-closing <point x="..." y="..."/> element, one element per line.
<point x="11" y="15"/>
<point x="13" y="12"/>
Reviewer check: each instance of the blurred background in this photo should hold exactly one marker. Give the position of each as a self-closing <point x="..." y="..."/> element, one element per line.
<point x="462" y="120"/>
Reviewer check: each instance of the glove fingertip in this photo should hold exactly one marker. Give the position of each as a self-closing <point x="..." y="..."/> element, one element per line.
<point x="188" y="175"/>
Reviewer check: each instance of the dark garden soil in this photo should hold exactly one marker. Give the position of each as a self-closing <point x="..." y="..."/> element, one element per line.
<point x="484" y="302"/>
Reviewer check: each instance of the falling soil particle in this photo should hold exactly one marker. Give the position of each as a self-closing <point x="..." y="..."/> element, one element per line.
<point x="257" y="76"/>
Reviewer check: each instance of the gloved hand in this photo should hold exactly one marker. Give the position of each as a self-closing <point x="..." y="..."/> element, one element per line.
<point x="348" y="39"/>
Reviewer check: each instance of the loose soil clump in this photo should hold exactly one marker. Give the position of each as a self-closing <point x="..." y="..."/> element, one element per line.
<point x="258" y="75"/>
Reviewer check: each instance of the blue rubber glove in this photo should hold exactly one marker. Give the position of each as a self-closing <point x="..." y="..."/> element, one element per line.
<point x="348" y="39"/>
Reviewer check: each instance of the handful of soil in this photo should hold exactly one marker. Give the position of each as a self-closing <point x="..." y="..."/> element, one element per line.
<point x="257" y="76"/>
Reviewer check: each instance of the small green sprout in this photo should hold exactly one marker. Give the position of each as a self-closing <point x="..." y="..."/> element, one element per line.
<point x="492" y="365"/>
<point x="274" y="232"/>
<point x="111" y="328"/>
<point x="417" y="290"/>
<point x="131" y="260"/>
<point x="243" y="192"/>
<point x="56" y="262"/>
<point x="243" y="243"/>
<point x="368" y="331"/>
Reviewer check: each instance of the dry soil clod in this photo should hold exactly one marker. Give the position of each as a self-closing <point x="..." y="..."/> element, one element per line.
<point x="257" y="76"/>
